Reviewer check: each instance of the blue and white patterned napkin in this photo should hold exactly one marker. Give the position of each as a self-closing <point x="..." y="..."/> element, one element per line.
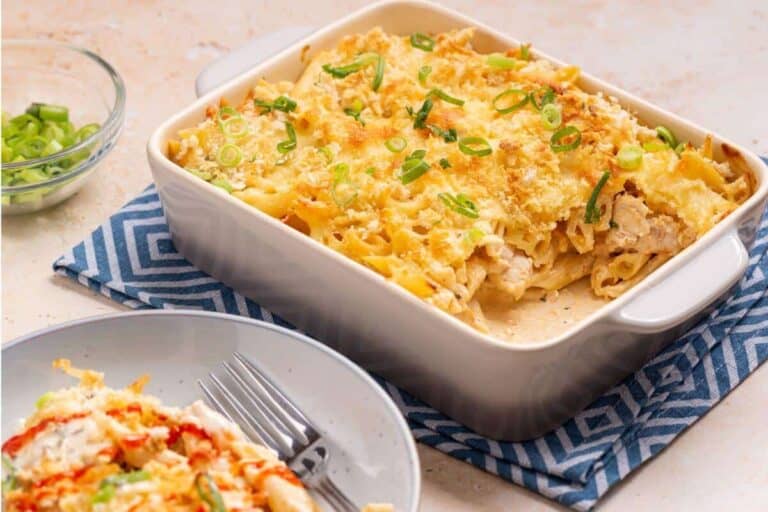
<point x="132" y="260"/>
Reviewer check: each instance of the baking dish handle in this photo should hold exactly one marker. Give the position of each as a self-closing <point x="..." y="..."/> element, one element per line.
<point x="688" y="290"/>
<point x="247" y="56"/>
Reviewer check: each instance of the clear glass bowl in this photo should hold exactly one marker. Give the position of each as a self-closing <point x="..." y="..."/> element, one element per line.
<point x="59" y="74"/>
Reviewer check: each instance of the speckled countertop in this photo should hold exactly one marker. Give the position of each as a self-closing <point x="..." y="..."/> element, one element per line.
<point x="705" y="60"/>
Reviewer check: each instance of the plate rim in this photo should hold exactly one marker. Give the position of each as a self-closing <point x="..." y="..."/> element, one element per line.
<point x="404" y="430"/>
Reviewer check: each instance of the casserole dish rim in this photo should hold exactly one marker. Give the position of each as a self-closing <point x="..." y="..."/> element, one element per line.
<point x="605" y="313"/>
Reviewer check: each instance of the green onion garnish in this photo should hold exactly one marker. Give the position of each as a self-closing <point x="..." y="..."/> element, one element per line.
<point x="515" y="93"/>
<point x="108" y="486"/>
<point x="396" y="144"/>
<point x="547" y="95"/>
<point x="653" y="146"/>
<point x="422" y="42"/>
<point x="341" y="177"/>
<point x="483" y="146"/>
<point x="449" y="135"/>
<point x="424" y="72"/>
<point x="567" y="132"/>
<point x="362" y="62"/>
<point x="551" y="116"/>
<point x="421" y="116"/>
<point x="9" y="482"/>
<point x="225" y="113"/>
<point x="445" y="97"/>
<point x="378" y="77"/>
<point x="414" y="166"/>
<point x="474" y="235"/>
<point x="290" y="144"/>
<point x="667" y="136"/>
<point x="630" y="157"/>
<point x="355" y="110"/>
<point x="282" y="103"/>
<point x="235" y="127"/>
<point x="525" y="51"/>
<point x="209" y="493"/>
<point x="55" y="113"/>
<point x="460" y="204"/>
<point x="223" y="184"/>
<point x="229" y="155"/>
<point x="680" y="148"/>
<point x="370" y="171"/>
<point x="444" y="163"/>
<point x="592" y="213"/>
<point x="326" y="151"/>
<point x="500" y="61"/>
<point x="44" y="399"/>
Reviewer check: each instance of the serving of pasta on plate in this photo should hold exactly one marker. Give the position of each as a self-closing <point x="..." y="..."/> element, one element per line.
<point x="471" y="180"/>
<point x="93" y="448"/>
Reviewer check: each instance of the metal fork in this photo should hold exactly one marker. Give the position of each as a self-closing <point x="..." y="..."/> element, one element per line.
<point x="251" y="399"/>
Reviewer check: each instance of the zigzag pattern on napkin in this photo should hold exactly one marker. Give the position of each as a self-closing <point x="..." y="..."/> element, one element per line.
<point x="131" y="259"/>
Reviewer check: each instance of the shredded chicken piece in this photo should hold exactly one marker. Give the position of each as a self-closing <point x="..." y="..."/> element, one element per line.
<point x="510" y="272"/>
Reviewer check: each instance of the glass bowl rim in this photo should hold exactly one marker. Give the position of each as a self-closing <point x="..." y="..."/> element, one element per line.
<point x="114" y="118"/>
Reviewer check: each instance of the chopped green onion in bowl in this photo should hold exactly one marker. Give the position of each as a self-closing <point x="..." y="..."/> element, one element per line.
<point x="43" y="130"/>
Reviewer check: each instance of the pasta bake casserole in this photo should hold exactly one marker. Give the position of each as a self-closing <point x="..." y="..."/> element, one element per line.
<point x="472" y="180"/>
<point x="94" y="448"/>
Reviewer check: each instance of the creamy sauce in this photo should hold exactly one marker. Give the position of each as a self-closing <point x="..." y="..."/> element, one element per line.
<point x="534" y="320"/>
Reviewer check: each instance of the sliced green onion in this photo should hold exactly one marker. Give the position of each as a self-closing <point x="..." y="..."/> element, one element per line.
<point x="229" y="155"/>
<point x="460" y="204"/>
<point x="9" y="482"/>
<point x="449" y="135"/>
<point x="355" y="110"/>
<point x="653" y="146"/>
<point x="378" y="77"/>
<point x="412" y="170"/>
<point x="44" y="399"/>
<point x="396" y="144"/>
<point x="109" y="485"/>
<point x="592" y="213"/>
<point x="424" y="72"/>
<point x="474" y="235"/>
<point x="223" y="184"/>
<point x="235" y="127"/>
<point x="418" y="154"/>
<point x="290" y="144"/>
<point x="630" y="157"/>
<point x="420" y="117"/>
<point x="516" y="93"/>
<point x="282" y="103"/>
<point x="444" y="163"/>
<point x="229" y="112"/>
<point x="370" y="171"/>
<point x="567" y="132"/>
<point x="680" y="148"/>
<point x="362" y="62"/>
<point x="203" y="175"/>
<point x="466" y="146"/>
<point x="525" y="51"/>
<point x="547" y="95"/>
<point x="209" y="493"/>
<point x="86" y="131"/>
<point x="31" y="147"/>
<point x="500" y="61"/>
<point x="341" y="177"/>
<point x="326" y="151"/>
<point x="551" y="116"/>
<point x="422" y="42"/>
<point x="667" y="136"/>
<point x="445" y="97"/>
<point x="53" y="113"/>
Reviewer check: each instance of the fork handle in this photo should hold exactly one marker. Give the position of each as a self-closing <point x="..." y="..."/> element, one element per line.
<point x="333" y="496"/>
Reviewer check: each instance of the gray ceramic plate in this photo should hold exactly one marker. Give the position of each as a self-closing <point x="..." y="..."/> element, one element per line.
<point x="374" y="457"/>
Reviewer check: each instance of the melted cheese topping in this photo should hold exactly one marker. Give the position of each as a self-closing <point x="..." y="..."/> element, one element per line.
<point x="520" y="229"/>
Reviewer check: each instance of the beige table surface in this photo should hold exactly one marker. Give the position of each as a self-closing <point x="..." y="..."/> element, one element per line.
<point x="707" y="61"/>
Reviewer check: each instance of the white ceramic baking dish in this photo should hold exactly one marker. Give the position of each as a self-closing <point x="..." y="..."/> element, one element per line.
<point x="502" y="390"/>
